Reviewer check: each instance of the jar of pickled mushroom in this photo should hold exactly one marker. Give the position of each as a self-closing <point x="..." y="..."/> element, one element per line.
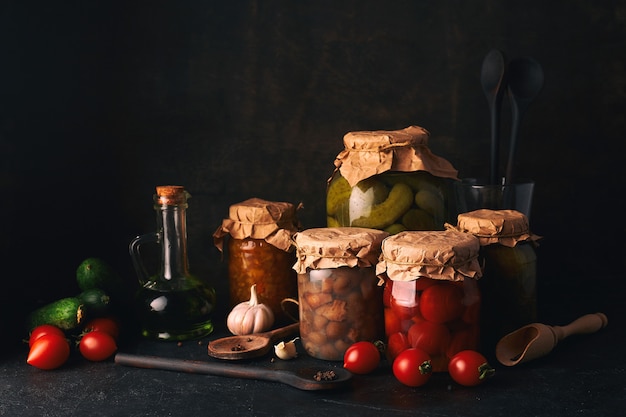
<point x="431" y="295"/>
<point x="508" y="285"/>
<point x="390" y="180"/>
<point x="260" y="252"/>
<point x="340" y="301"/>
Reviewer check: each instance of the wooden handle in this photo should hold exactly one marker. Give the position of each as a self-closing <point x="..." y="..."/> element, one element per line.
<point x="283" y="331"/>
<point x="589" y="323"/>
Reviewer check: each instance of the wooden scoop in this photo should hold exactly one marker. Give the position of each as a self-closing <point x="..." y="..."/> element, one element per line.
<point x="307" y="378"/>
<point x="536" y="340"/>
<point x="249" y="346"/>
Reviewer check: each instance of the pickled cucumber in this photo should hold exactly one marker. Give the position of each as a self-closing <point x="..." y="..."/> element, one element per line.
<point x="431" y="202"/>
<point x="338" y="191"/>
<point x="332" y="222"/>
<point x="386" y="213"/>
<point x="395" y="228"/>
<point x="418" y="219"/>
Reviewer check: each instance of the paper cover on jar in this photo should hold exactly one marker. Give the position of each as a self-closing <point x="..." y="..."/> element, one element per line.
<point x="367" y="153"/>
<point x="274" y="222"/>
<point x="335" y="247"/>
<point x="446" y="255"/>
<point x="506" y="227"/>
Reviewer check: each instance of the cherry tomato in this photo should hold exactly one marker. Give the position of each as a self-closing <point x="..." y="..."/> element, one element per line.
<point x="97" y="345"/>
<point x="412" y="367"/>
<point x="442" y="302"/>
<point x="433" y="338"/>
<point x="469" y="368"/>
<point x="49" y="351"/>
<point x="104" y="324"/>
<point x="361" y="357"/>
<point x="396" y="343"/>
<point x="42" y="330"/>
<point x="404" y="299"/>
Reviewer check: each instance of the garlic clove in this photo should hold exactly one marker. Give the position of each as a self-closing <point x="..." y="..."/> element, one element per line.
<point x="286" y="350"/>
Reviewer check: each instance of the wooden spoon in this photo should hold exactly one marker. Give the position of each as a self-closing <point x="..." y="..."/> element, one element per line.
<point x="251" y="345"/>
<point x="536" y="340"/>
<point x="308" y="378"/>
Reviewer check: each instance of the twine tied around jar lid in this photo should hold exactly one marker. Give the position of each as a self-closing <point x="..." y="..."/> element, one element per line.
<point x="367" y="153"/>
<point x="506" y="227"/>
<point x="334" y="247"/>
<point x="274" y="222"/>
<point x="445" y="255"/>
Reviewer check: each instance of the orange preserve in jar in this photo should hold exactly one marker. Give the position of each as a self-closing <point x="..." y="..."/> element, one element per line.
<point x="260" y="252"/>
<point x="431" y="296"/>
<point x="340" y="301"/>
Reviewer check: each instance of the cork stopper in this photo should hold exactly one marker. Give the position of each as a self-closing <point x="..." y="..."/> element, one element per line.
<point x="447" y="255"/>
<point x="507" y="227"/>
<point x="171" y="195"/>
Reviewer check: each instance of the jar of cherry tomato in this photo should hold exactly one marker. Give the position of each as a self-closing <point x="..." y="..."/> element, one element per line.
<point x="509" y="278"/>
<point x="390" y="180"/>
<point x="260" y="252"/>
<point x="340" y="301"/>
<point x="431" y="296"/>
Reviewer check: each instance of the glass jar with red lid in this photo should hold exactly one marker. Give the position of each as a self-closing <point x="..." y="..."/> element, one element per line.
<point x="431" y="296"/>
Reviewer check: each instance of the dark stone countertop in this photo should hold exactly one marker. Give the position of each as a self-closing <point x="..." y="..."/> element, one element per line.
<point x="584" y="376"/>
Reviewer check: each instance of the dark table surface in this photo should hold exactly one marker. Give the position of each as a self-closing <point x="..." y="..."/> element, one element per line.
<point x="584" y="376"/>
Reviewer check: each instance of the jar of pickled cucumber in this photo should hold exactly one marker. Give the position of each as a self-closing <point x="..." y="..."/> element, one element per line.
<point x="390" y="180"/>
<point x="509" y="277"/>
<point x="431" y="295"/>
<point x="340" y="302"/>
<point x="260" y="252"/>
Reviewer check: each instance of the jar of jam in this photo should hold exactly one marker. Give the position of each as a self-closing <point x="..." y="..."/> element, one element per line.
<point x="509" y="277"/>
<point x="260" y="252"/>
<point x="389" y="180"/>
<point x="431" y="296"/>
<point x="340" y="301"/>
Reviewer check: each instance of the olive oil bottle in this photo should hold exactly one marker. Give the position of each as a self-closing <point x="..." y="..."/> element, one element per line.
<point x="172" y="304"/>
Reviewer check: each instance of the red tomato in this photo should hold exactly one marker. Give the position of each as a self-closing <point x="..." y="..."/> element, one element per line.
<point x="433" y="338"/>
<point x="466" y="338"/>
<point x="387" y="293"/>
<point x="404" y="299"/>
<point x="442" y="302"/>
<point x="42" y="330"/>
<point x="361" y="358"/>
<point x="97" y="345"/>
<point x="104" y="324"/>
<point x="469" y="368"/>
<point x="396" y="343"/>
<point x="412" y="367"/>
<point x="392" y="322"/>
<point x="49" y="351"/>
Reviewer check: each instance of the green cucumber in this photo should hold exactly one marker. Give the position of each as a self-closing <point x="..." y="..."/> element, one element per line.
<point x="66" y="313"/>
<point x="96" y="273"/>
<point x="95" y="301"/>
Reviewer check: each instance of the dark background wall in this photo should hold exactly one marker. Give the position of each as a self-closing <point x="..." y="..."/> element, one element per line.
<point x="101" y="101"/>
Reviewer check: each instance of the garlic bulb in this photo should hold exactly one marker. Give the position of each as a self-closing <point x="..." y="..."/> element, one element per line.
<point x="250" y="316"/>
<point x="287" y="350"/>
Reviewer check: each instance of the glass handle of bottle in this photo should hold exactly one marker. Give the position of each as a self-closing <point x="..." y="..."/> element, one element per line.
<point x="134" y="249"/>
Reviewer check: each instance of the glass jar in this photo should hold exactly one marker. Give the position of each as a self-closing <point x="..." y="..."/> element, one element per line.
<point x="390" y="180"/>
<point x="260" y="252"/>
<point x="431" y="295"/>
<point x="172" y="304"/>
<point x="340" y="301"/>
<point x="509" y="277"/>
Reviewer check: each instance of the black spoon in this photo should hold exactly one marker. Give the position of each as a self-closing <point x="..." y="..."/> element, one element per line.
<point x="525" y="80"/>
<point x="493" y="80"/>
